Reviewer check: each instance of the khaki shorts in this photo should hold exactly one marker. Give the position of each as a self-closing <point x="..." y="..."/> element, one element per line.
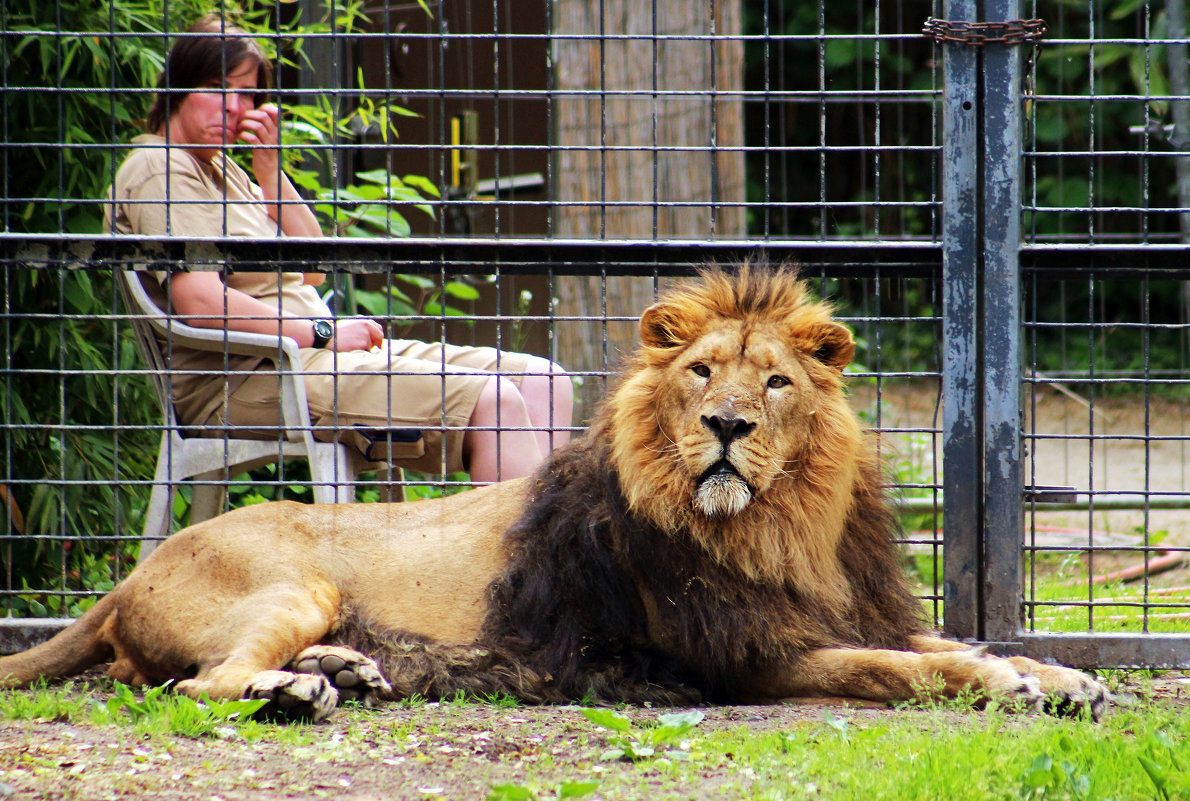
<point x="380" y="400"/>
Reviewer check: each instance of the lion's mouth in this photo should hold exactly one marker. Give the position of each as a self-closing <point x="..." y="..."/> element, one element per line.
<point x="721" y="491"/>
<point x="719" y="469"/>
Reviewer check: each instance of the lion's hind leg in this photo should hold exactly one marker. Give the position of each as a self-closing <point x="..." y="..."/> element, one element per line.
<point x="244" y="653"/>
<point x="354" y="676"/>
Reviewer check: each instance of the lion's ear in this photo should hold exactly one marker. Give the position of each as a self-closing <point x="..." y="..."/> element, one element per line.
<point x="662" y="326"/>
<point x="833" y="345"/>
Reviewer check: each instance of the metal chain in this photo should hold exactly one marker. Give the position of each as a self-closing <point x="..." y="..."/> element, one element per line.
<point x="977" y="34"/>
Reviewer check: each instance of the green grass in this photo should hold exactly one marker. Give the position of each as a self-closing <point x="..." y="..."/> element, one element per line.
<point x="155" y="711"/>
<point x="942" y="754"/>
<point x="938" y="753"/>
<point x="1062" y="600"/>
<point x="1116" y="607"/>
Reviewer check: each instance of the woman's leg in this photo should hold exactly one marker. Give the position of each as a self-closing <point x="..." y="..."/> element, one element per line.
<point x="549" y="399"/>
<point x="500" y="443"/>
<point x="497" y="428"/>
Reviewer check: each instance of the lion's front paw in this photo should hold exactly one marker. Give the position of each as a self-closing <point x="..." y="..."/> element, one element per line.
<point x="1069" y="692"/>
<point x="293" y="696"/>
<point x="354" y="675"/>
<point x="1002" y="682"/>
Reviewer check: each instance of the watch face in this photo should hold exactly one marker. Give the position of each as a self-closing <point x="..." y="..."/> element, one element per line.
<point x="323" y="331"/>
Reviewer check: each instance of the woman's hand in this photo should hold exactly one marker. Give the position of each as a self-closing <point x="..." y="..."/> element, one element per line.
<point x="356" y="333"/>
<point x="259" y="127"/>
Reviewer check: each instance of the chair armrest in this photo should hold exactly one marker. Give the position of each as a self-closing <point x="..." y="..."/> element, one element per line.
<point x="283" y="351"/>
<point x="242" y="343"/>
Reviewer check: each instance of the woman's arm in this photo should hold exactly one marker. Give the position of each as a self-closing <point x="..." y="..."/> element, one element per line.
<point x="259" y="128"/>
<point x="285" y="206"/>
<point x="204" y="301"/>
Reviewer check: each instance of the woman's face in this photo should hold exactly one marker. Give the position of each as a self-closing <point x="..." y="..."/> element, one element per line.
<point x="207" y="121"/>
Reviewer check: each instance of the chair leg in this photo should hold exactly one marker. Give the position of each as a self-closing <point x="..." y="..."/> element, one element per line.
<point x="396" y="486"/>
<point x="330" y="470"/>
<point x="206" y="495"/>
<point x="159" y="515"/>
<point x="157" y="518"/>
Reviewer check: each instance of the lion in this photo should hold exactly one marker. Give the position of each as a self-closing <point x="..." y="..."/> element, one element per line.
<point x="720" y="534"/>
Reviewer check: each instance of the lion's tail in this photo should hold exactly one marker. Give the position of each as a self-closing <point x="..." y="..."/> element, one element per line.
<point x="71" y="651"/>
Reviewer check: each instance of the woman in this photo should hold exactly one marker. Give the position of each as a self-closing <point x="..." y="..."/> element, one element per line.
<point x="493" y="413"/>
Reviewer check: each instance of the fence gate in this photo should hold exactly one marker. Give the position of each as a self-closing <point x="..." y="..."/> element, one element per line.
<point x="1109" y="606"/>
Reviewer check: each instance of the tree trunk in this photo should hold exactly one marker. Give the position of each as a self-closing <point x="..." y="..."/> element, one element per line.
<point x="641" y="131"/>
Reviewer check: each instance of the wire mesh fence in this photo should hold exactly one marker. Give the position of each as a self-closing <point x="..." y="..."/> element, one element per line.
<point x="1104" y="361"/>
<point x="527" y="177"/>
<point x="1106" y="412"/>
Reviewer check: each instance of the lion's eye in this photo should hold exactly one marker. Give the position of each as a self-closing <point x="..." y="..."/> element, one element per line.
<point x="701" y="370"/>
<point x="777" y="381"/>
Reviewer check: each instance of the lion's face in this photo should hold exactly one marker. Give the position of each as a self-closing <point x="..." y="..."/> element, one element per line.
<point x="734" y="411"/>
<point x="738" y="405"/>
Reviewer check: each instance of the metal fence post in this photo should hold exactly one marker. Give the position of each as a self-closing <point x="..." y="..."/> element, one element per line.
<point x="960" y="315"/>
<point x="1003" y="484"/>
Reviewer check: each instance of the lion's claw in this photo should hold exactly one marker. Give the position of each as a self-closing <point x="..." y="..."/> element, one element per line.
<point x="355" y="676"/>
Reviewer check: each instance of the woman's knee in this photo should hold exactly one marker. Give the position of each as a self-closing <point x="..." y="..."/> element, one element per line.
<point x="500" y="403"/>
<point x="547" y="381"/>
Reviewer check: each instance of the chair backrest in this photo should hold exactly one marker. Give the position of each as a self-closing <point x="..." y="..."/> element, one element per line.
<point x="145" y="317"/>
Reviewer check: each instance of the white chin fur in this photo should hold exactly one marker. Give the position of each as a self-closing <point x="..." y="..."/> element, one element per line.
<point x="722" y="496"/>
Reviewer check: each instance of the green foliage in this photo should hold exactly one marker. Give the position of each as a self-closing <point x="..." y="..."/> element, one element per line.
<point x="425" y="297"/>
<point x="368" y="209"/>
<point x="87" y="119"/>
<point x="159" y="712"/>
<point x="633" y="743"/>
<point x="786" y="162"/>
<point x="522" y="792"/>
<point x="39" y="702"/>
<point x="61" y="401"/>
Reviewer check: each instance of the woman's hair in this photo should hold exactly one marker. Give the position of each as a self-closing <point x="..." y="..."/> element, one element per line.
<point x="196" y="61"/>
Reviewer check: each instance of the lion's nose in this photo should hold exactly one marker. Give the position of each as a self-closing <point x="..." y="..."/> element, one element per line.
<point x="728" y="429"/>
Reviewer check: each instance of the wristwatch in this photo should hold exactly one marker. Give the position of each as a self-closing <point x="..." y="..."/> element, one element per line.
<point x="323" y="331"/>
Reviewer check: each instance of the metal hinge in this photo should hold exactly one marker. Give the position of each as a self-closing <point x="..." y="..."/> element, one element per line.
<point x="977" y="34"/>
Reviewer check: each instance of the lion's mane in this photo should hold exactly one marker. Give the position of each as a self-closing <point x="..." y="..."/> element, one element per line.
<point x="618" y="588"/>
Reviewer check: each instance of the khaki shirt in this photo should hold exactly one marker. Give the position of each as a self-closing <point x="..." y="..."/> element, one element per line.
<point x="162" y="191"/>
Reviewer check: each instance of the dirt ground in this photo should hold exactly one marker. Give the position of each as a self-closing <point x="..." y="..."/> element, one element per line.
<point x="1115" y="446"/>
<point x="422" y="752"/>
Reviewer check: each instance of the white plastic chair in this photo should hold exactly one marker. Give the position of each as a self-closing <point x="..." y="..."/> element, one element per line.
<point x="212" y="460"/>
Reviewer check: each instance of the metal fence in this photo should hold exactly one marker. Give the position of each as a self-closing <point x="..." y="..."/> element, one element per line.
<point x="998" y="210"/>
